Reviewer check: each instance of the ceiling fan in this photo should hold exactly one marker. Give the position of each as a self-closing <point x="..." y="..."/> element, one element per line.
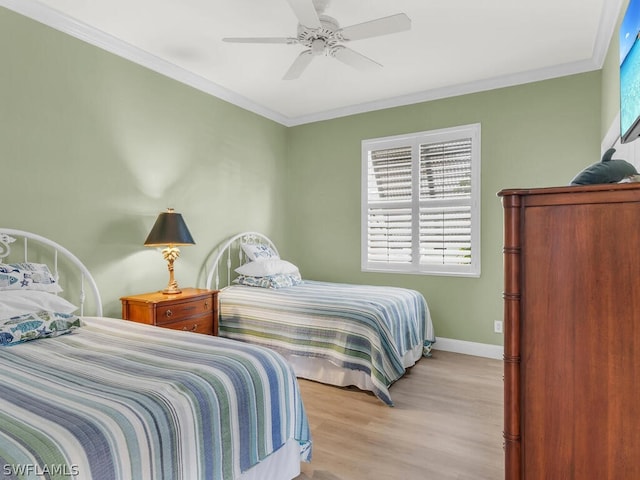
<point x="322" y="35"/>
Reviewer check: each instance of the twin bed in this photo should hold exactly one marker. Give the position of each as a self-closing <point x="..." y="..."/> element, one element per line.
<point x="339" y="334"/>
<point x="99" y="398"/>
<point x="85" y="396"/>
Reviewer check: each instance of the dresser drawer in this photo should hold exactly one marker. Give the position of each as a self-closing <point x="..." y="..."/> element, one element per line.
<point x="202" y="324"/>
<point x="173" y="312"/>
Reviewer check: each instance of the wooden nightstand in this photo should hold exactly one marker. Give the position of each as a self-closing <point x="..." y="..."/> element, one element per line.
<point x="194" y="310"/>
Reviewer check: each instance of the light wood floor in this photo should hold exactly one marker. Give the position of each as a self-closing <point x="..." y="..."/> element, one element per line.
<point x="446" y="424"/>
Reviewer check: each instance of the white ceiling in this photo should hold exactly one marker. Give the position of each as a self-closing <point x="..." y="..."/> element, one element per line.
<point x="453" y="47"/>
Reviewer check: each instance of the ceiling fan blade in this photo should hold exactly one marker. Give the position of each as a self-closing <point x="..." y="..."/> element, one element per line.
<point x="374" y="28"/>
<point x="306" y="13"/>
<point x="299" y="65"/>
<point x="260" y="40"/>
<point x="354" y="59"/>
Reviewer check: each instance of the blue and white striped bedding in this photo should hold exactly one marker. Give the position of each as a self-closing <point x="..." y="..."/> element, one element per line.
<point x="359" y="327"/>
<point x="119" y="400"/>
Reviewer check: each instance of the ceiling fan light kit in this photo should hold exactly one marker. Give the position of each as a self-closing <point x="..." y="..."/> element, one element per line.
<point x="322" y="35"/>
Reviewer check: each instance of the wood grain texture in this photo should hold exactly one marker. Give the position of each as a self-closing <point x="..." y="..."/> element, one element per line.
<point x="194" y="310"/>
<point x="571" y="404"/>
<point x="446" y="424"/>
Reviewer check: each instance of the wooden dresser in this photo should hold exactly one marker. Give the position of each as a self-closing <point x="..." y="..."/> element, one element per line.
<point x="572" y="333"/>
<point x="194" y="310"/>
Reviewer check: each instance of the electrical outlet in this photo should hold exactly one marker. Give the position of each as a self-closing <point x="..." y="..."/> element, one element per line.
<point x="497" y="326"/>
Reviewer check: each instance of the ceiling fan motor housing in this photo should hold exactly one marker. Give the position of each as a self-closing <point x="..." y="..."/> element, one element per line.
<point x="320" y="40"/>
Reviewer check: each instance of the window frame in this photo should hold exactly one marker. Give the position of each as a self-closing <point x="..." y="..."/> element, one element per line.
<point x="414" y="140"/>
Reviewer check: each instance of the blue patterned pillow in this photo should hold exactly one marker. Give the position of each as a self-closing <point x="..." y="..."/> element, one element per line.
<point x="258" y="251"/>
<point x="32" y="326"/>
<point x="27" y="276"/>
<point x="280" y="280"/>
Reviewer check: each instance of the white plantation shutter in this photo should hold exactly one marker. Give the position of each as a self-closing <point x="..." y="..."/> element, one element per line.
<point x="445" y="236"/>
<point x="389" y="211"/>
<point x="421" y="203"/>
<point x="445" y="203"/>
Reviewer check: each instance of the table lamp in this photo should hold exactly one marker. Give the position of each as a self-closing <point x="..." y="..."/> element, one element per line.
<point x="169" y="231"/>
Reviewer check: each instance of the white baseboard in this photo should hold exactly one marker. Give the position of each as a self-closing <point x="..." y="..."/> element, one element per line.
<point x="469" y="348"/>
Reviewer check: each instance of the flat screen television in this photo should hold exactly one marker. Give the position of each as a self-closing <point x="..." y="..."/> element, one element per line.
<point x="630" y="73"/>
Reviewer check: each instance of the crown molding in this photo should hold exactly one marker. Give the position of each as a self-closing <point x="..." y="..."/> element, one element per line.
<point x="451" y="91"/>
<point x="55" y="19"/>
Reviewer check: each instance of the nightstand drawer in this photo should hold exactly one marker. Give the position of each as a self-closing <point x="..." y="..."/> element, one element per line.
<point x="202" y="324"/>
<point x="174" y="312"/>
<point x="194" y="309"/>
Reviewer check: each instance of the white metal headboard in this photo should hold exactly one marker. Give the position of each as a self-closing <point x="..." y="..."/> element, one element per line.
<point x="230" y="255"/>
<point x="9" y="236"/>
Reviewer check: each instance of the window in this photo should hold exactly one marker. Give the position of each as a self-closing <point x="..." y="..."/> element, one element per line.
<point x="421" y="202"/>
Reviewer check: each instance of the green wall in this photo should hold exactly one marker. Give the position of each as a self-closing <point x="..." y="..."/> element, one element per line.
<point x="539" y="134"/>
<point x="93" y="147"/>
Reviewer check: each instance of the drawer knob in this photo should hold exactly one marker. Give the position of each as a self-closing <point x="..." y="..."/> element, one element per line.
<point x="168" y="313"/>
<point x="206" y="304"/>
<point x="192" y="329"/>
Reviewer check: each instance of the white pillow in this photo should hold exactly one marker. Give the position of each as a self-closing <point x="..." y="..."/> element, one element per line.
<point x="267" y="267"/>
<point x="20" y="302"/>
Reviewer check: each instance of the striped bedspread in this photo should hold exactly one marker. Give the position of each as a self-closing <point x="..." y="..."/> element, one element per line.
<point x="359" y="327"/>
<point x="119" y="400"/>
